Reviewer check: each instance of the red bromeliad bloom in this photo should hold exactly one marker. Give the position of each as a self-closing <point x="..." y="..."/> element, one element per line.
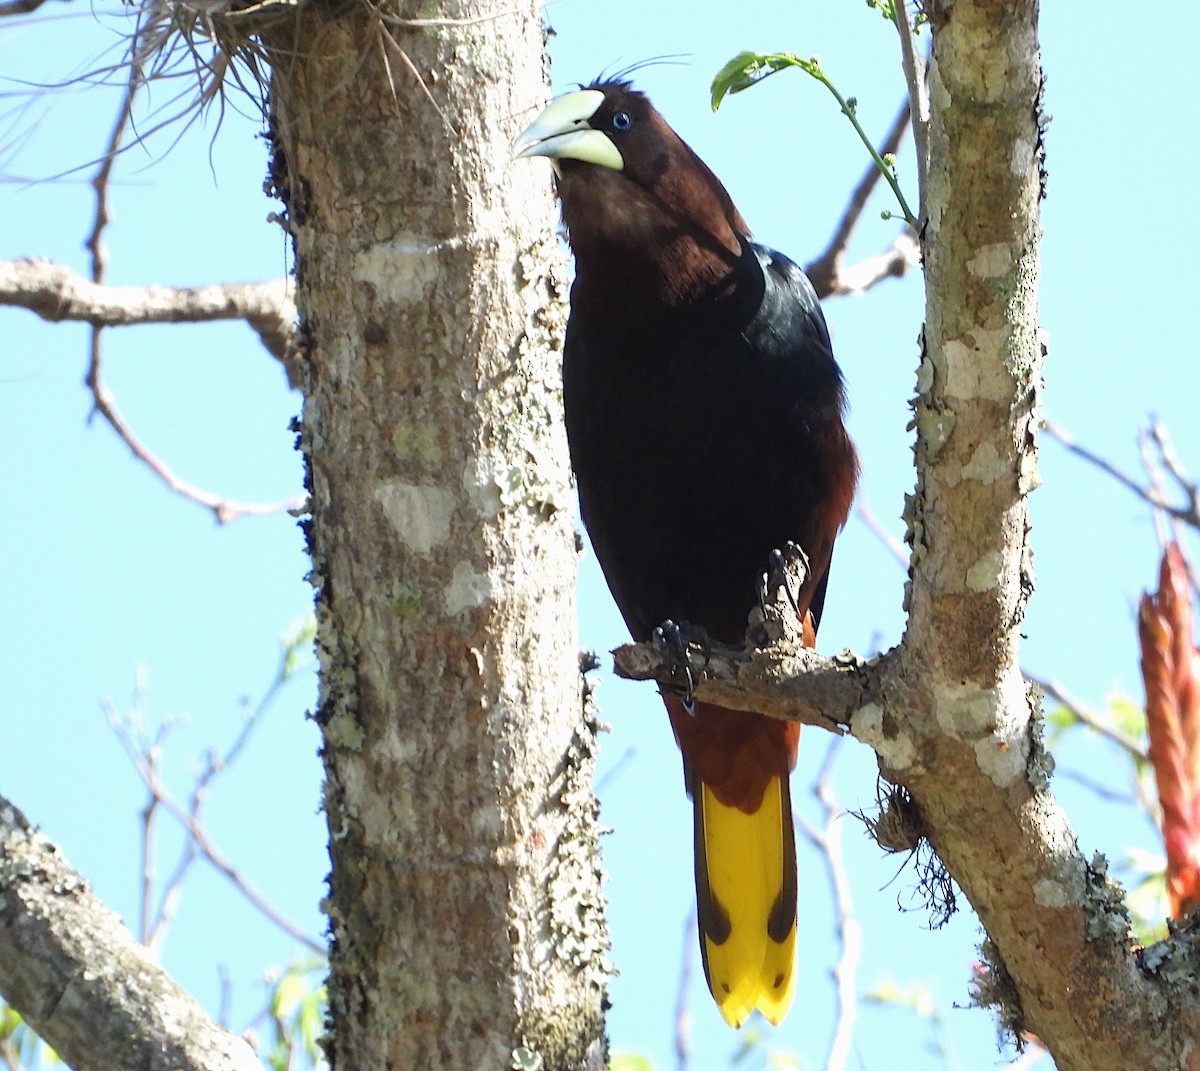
<point x="1169" y="669"/>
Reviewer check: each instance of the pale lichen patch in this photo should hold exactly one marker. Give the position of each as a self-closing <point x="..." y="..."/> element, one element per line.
<point x="896" y="751"/>
<point x="967" y="711"/>
<point x="997" y="758"/>
<point x="985" y="573"/>
<point x="467" y="589"/>
<point x="419" y="514"/>
<point x="343" y="730"/>
<point x="991" y="261"/>
<point x="985" y="464"/>
<point x="407" y="268"/>
<point x="974" y="364"/>
<point x="1024" y="152"/>
<point x="1049" y="893"/>
<point x="483" y="487"/>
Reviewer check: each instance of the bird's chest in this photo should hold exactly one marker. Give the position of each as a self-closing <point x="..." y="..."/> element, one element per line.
<point x="661" y="413"/>
<point x="684" y="455"/>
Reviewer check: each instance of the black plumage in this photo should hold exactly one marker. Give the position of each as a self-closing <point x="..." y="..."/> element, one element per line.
<point x="704" y="415"/>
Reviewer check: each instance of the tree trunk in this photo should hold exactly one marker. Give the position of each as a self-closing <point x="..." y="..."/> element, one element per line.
<point x="465" y="907"/>
<point x="1061" y="962"/>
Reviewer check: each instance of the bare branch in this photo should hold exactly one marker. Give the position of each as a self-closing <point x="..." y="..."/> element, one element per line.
<point x="918" y="96"/>
<point x="826" y="272"/>
<point x="56" y="293"/>
<point x="828" y="841"/>
<point x="79" y="979"/>
<point x="200" y="837"/>
<point x="1150" y="493"/>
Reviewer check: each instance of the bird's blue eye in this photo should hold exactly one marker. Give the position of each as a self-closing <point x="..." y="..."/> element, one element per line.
<point x="621" y="121"/>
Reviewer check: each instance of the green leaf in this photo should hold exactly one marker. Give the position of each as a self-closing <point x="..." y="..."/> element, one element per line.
<point x="747" y="69"/>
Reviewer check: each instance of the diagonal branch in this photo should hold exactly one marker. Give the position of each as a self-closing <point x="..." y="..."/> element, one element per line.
<point x="1151" y="493"/>
<point x="78" y="978"/>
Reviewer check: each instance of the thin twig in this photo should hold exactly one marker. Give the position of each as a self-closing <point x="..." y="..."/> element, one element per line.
<point x="1086" y="716"/>
<point x="1150" y="494"/>
<point x="828" y="842"/>
<point x="225" y="510"/>
<point x="893" y="545"/>
<point x="155" y="929"/>
<point x="200" y="836"/>
<point x="683" y="1015"/>
<point x="388" y="39"/>
<point x="918" y="95"/>
<point x="149" y="862"/>
<point x="148" y="865"/>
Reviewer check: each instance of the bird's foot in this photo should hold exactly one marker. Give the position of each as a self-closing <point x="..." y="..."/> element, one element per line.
<point x="675" y="642"/>
<point x="779" y="588"/>
<point x="787" y="570"/>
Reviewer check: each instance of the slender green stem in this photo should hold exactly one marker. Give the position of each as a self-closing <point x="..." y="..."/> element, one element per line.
<point x="750" y="68"/>
<point x="848" y="110"/>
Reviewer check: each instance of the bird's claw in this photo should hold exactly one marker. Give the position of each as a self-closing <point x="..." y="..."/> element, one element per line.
<point x="786" y="566"/>
<point x="674" y="642"/>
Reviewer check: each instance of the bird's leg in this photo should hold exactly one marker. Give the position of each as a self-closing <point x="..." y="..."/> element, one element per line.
<point x="674" y="642"/>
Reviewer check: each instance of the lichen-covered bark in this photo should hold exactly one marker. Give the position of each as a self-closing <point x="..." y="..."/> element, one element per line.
<point x="958" y="727"/>
<point x="465" y="910"/>
<point x="77" y="976"/>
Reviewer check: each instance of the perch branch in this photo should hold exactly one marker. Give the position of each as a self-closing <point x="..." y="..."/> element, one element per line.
<point x="784" y="681"/>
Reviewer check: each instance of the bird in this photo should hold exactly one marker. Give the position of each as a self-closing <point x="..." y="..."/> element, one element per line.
<point x="705" y="423"/>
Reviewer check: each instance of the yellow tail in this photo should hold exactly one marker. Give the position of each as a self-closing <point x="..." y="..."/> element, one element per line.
<point x="746" y="896"/>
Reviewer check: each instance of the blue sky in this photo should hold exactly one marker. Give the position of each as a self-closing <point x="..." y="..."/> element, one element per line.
<point x="108" y="576"/>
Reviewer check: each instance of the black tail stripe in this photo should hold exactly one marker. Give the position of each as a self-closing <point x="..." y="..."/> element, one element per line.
<point x="783" y="911"/>
<point x="710" y="912"/>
